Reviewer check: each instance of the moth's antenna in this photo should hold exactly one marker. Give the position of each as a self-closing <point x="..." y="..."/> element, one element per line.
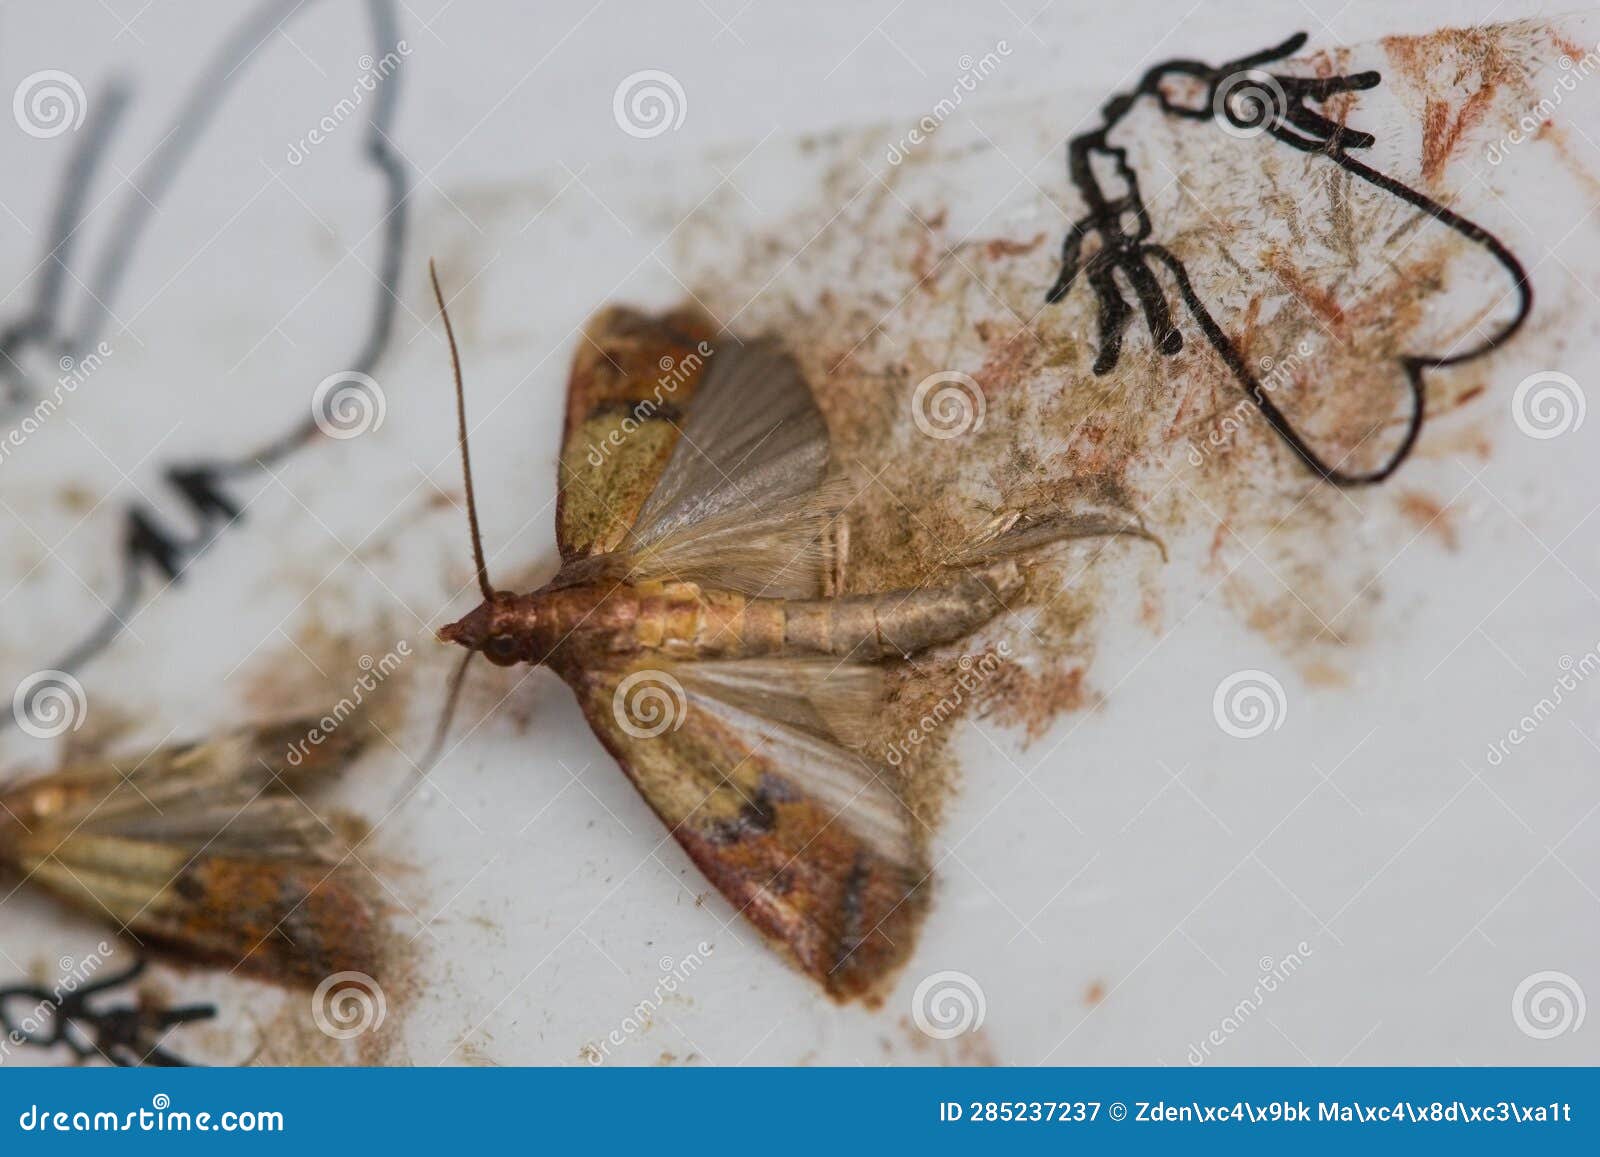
<point x="441" y="731"/>
<point x="447" y="714"/>
<point x="461" y="434"/>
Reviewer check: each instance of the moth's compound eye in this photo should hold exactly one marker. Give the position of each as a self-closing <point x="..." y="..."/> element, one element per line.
<point x="502" y="649"/>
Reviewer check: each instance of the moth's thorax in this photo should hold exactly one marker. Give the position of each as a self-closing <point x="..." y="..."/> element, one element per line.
<point x="37" y="802"/>
<point x="29" y="806"/>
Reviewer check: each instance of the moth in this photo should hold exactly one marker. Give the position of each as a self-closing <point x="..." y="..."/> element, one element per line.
<point x="201" y="851"/>
<point x="698" y="616"/>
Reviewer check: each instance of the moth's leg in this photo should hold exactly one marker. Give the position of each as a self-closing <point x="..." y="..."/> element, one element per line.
<point x="833" y="576"/>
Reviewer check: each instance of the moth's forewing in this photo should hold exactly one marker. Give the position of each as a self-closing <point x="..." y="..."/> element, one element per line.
<point x="200" y="850"/>
<point x="632" y="378"/>
<point x="290" y="921"/>
<point x="843" y="905"/>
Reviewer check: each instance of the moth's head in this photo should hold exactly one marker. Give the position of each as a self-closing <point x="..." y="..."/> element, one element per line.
<point x="498" y="627"/>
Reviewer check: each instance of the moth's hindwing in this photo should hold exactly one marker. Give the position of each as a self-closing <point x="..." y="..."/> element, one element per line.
<point x="840" y="898"/>
<point x="632" y="379"/>
<point x="745" y="502"/>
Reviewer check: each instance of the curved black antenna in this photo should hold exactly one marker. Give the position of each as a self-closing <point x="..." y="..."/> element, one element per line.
<point x="461" y="435"/>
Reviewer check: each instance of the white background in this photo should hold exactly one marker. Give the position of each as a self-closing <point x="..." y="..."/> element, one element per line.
<point x="533" y="899"/>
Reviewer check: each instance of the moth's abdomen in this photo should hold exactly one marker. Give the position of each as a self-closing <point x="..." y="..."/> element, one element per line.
<point x="683" y="620"/>
<point x="894" y="623"/>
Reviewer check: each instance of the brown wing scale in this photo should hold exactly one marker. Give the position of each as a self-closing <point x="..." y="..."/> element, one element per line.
<point x="201" y="851"/>
<point x="845" y="909"/>
<point x="632" y="377"/>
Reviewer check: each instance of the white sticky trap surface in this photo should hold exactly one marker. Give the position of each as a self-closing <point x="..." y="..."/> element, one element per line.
<point x="1125" y="888"/>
